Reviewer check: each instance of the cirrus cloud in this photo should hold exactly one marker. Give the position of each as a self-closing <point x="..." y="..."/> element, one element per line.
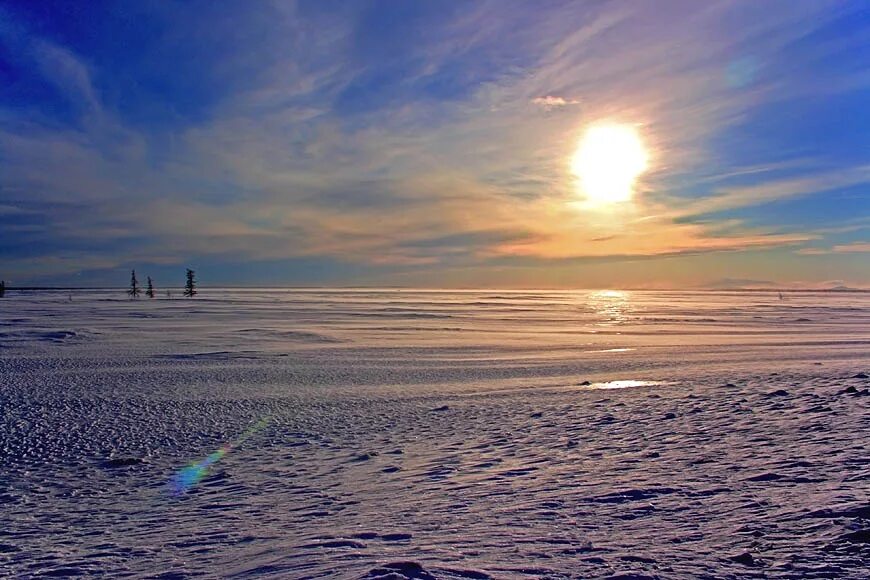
<point x="550" y="102"/>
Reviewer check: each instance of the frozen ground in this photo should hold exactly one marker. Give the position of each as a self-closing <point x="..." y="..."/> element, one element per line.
<point x="436" y="435"/>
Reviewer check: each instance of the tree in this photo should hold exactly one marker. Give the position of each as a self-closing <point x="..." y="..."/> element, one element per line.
<point x="2" y="288"/>
<point x="190" y="286"/>
<point x="149" y="292"/>
<point x="134" y="290"/>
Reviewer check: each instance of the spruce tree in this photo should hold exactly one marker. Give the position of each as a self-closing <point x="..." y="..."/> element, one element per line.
<point x="190" y="286"/>
<point x="149" y="292"/>
<point x="134" y="290"/>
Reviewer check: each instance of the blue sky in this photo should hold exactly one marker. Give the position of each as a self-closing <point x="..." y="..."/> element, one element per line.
<point x="429" y="143"/>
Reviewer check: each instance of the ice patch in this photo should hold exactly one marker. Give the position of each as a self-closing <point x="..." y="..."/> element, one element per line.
<point x="624" y="384"/>
<point x="613" y="350"/>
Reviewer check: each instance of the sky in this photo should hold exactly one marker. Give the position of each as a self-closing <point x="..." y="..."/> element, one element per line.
<point x="430" y="143"/>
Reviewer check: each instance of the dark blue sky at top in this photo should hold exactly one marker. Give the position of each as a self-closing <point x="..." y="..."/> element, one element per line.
<point x="147" y="68"/>
<point x="306" y="142"/>
<point x="160" y="66"/>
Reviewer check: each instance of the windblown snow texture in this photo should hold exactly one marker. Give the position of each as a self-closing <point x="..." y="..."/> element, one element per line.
<point x="399" y="434"/>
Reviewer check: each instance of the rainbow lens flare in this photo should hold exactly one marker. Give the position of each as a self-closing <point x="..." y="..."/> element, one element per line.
<point x="189" y="476"/>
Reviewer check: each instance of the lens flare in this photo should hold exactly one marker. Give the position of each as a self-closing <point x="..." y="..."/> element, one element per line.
<point x="189" y="476"/>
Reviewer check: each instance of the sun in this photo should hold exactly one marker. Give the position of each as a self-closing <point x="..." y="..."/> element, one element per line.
<point x="608" y="161"/>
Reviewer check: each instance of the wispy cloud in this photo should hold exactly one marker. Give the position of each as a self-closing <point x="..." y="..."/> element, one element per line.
<point x="779" y="189"/>
<point x="59" y="66"/>
<point x="850" y="248"/>
<point x="550" y="102"/>
<point x="410" y="151"/>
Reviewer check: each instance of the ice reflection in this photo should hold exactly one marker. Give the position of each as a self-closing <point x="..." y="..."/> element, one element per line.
<point x="626" y="384"/>
<point x="612" y="306"/>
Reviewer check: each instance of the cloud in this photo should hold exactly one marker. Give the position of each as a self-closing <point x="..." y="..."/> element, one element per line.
<point x="611" y="235"/>
<point x="59" y="66"/>
<point x="425" y="157"/>
<point x="68" y="73"/>
<point x="850" y="248"/>
<point x="550" y="102"/>
<point x="11" y="210"/>
<point x="777" y="189"/>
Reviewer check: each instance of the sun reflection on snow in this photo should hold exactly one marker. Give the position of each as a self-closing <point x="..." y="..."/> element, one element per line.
<point x="612" y="306"/>
<point x="625" y="384"/>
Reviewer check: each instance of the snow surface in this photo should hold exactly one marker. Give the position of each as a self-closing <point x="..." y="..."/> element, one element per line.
<point x="411" y="434"/>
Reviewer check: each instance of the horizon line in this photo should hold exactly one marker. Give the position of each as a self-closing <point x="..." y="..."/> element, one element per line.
<point x="463" y="289"/>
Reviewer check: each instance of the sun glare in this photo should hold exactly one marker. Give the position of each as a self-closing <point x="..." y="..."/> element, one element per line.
<point x="608" y="161"/>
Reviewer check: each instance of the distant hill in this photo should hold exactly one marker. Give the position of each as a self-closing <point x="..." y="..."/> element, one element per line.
<point x="748" y="284"/>
<point x="739" y="284"/>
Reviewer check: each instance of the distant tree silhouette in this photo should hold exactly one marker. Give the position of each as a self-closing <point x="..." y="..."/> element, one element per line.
<point x="2" y="288"/>
<point x="149" y="292"/>
<point x="134" y="290"/>
<point x="190" y="286"/>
